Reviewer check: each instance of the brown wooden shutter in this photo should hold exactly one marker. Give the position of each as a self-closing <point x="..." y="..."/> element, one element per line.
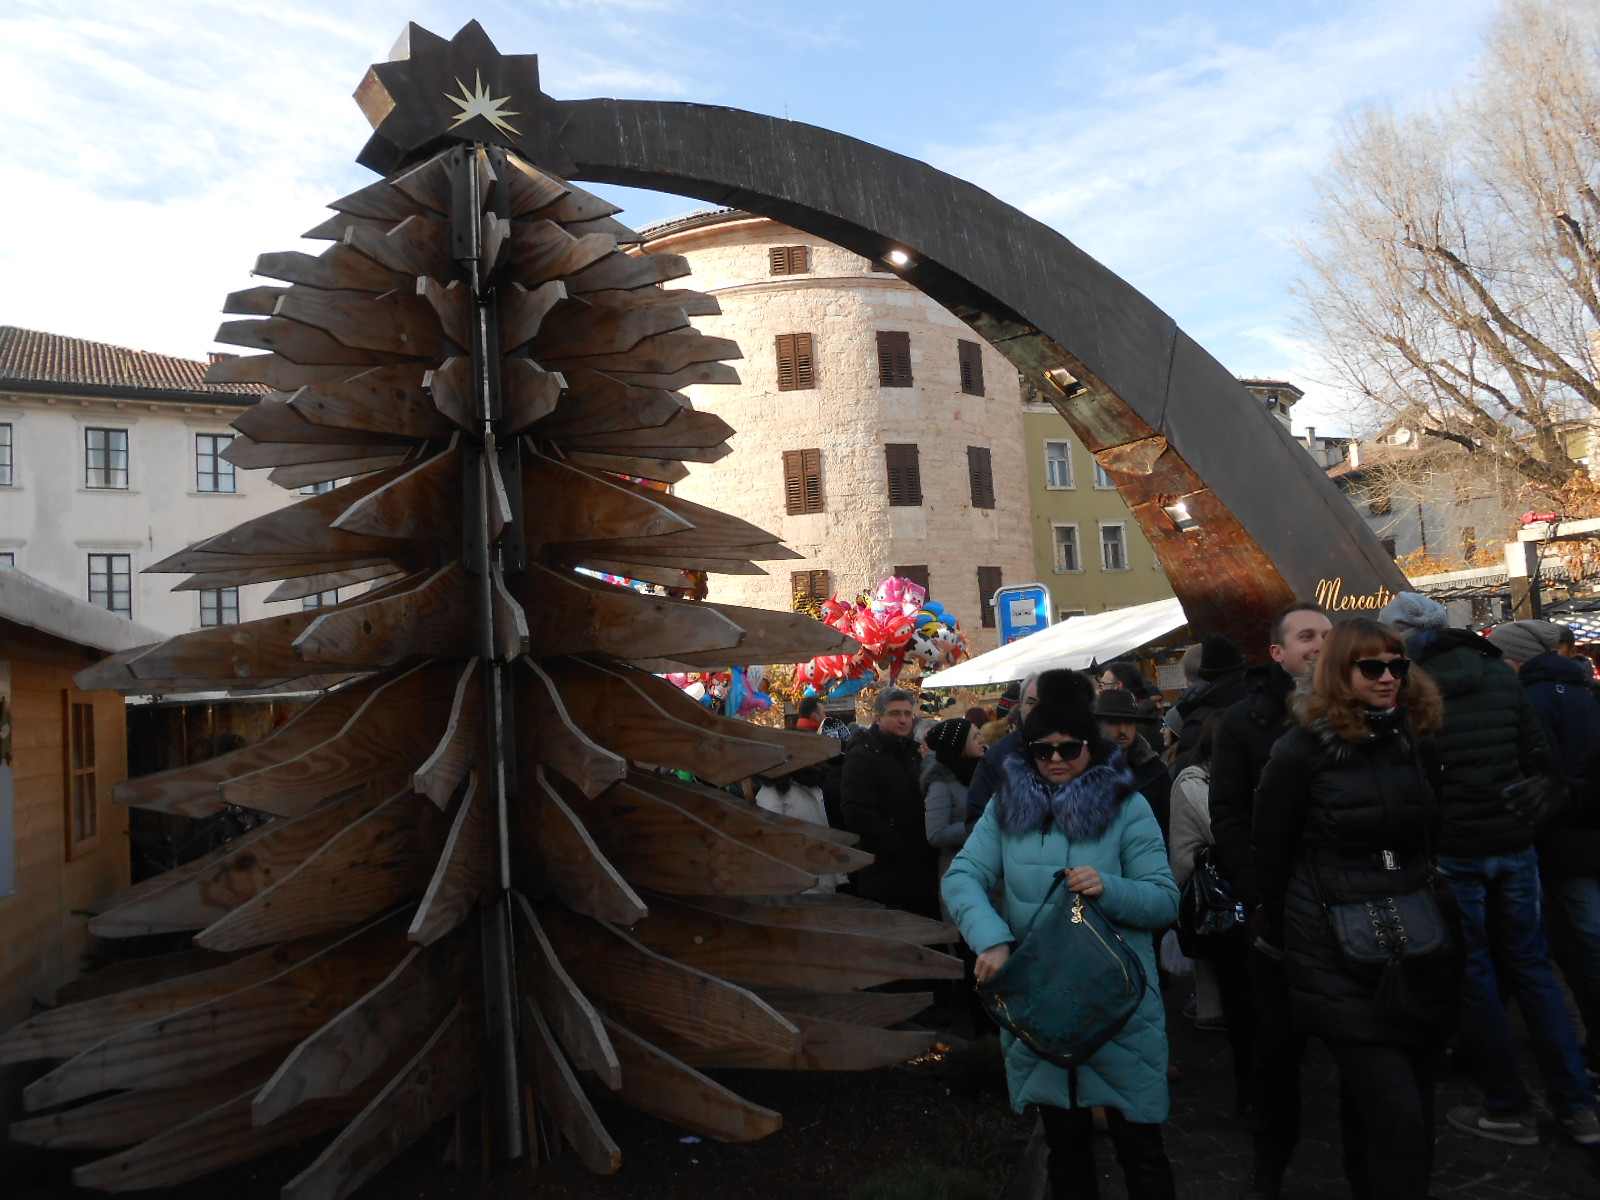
<point x="980" y="476"/>
<point x="787" y="260"/>
<point x="970" y="356"/>
<point x="990" y="581"/>
<point x="795" y="370"/>
<point x="894" y="358"/>
<point x="802" y="481"/>
<point x="810" y="589"/>
<point x="917" y="575"/>
<point x="905" y="473"/>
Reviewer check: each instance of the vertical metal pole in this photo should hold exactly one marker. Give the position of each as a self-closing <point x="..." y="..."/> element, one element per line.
<point x="498" y="965"/>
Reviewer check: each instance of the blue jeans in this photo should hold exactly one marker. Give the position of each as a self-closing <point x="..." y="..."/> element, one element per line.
<point x="1499" y="898"/>
<point x="1575" y="921"/>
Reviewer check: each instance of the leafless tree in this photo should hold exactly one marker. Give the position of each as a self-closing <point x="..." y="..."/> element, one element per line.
<point x="1453" y="263"/>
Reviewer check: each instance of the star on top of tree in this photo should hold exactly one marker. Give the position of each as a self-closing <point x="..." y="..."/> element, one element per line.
<point x="420" y="98"/>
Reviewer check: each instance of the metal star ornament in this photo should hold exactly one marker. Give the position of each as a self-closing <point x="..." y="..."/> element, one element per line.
<point x="478" y="103"/>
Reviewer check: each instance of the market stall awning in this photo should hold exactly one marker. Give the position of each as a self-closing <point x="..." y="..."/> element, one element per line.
<point x="1075" y="643"/>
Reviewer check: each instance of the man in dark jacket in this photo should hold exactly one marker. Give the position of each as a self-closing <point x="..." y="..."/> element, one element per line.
<point x="1491" y="740"/>
<point x="987" y="777"/>
<point x="1242" y="745"/>
<point x="882" y="801"/>
<point x="1123" y="722"/>
<point x="1561" y="690"/>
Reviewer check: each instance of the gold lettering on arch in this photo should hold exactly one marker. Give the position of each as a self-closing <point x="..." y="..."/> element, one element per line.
<point x="1331" y="595"/>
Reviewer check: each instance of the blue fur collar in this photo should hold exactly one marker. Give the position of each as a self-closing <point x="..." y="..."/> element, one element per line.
<point x="1082" y="808"/>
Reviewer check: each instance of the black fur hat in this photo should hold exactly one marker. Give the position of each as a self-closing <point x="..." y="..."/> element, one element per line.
<point x="1066" y="700"/>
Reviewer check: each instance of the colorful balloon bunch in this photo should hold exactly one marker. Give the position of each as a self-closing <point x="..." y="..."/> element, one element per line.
<point x="899" y="622"/>
<point x="734" y="693"/>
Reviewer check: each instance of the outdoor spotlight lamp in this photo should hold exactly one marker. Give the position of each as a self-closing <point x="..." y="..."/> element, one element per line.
<point x="898" y="258"/>
<point x="1179" y="513"/>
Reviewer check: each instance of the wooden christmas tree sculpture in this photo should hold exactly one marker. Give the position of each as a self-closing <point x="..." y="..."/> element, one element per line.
<point x="477" y="880"/>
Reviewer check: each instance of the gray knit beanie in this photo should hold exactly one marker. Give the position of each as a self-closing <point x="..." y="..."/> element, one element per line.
<point x="1412" y="612"/>
<point x="1521" y="641"/>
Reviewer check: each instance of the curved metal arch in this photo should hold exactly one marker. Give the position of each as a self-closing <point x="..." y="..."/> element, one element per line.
<point x="1163" y="417"/>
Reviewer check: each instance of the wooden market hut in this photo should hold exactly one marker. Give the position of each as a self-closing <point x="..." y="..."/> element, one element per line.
<point x="62" y="840"/>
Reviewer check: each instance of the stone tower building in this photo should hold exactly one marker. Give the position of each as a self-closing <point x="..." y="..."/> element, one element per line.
<point x="875" y="432"/>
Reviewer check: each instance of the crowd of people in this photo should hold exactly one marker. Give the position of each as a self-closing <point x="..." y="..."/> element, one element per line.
<point x="1404" y="814"/>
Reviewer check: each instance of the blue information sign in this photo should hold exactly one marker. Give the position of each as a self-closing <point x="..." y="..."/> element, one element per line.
<point x="1021" y="610"/>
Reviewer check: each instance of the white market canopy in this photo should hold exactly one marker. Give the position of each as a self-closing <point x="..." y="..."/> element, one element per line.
<point x="1074" y="643"/>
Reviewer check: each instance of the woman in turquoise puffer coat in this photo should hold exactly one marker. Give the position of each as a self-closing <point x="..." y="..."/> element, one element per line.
<point x="1050" y="812"/>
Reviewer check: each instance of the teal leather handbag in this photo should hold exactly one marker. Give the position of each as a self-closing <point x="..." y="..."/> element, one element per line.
<point x="1070" y="985"/>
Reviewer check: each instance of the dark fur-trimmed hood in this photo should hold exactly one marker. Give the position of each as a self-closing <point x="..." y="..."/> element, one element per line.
<point x="1082" y="808"/>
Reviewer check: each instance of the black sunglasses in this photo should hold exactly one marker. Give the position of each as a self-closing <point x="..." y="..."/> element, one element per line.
<point x="1373" y="668"/>
<point x="1065" y="751"/>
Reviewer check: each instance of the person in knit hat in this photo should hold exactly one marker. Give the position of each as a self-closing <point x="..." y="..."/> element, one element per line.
<point x="1066" y="802"/>
<point x="957" y="747"/>
<point x="1412" y="612"/>
<point x="1222" y="684"/>
<point x="1523" y="641"/>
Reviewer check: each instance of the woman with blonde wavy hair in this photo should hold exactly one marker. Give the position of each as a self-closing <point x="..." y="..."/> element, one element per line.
<point x="1345" y="816"/>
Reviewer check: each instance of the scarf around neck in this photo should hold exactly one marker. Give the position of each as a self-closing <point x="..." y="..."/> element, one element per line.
<point x="1082" y="808"/>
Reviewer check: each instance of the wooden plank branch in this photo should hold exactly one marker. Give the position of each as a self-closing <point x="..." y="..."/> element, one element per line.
<point x="659" y="354"/>
<point x="549" y="735"/>
<point x="655" y="1082"/>
<point x="346" y="1052"/>
<point x="337" y="267"/>
<point x="560" y="1094"/>
<point x="695" y="373"/>
<point x="541" y="251"/>
<point x="384" y="400"/>
<point x="417" y="246"/>
<point x="663" y="470"/>
<point x="432" y="618"/>
<point x="828" y="1046"/>
<point x="276" y="372"/>
<point x="462" y="878"/>
<point x="300" y="343"/>
<point x="312" y="585"/>
<point x="524" y="312"/>
<point x="378" y="860"/>
<point x="627" y="272"/>
<point x="595" y="403"/>
<point x="421" y="503"/>
<point x="528" y="393"/>
<point x="551" y="991"/>
<point x="452" y="304"/>
<point x="531" y="189"/>
<point x="275" y="419"/>
<point x="558" y="856"/>
<point x="454" y="391"/>
<point x="459" y="746"/>
<point x="894" y="923"/>
<point x="578" y="616"/>
<point x="564" y="504"/>
<point x="304" y="474"/>
<point x="578" y="329"/>
<point x="878" y="1009"/>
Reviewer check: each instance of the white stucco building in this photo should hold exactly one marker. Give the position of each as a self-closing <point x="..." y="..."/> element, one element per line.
<point x="874" y="432"/>
<point x="109" y="462"/>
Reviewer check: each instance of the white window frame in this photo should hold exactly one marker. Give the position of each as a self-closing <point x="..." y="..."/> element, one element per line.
<point x="1050" y="485"/>
<point x="108" y="450"/>
<point x="111" y="575"/>
<point x="1055" y="548"/>
<point x="219" y="606"/>
<point x="8" y="454"/>
<point x="1102" y="481"/>
<point x="325" y="599"/>
<point x="319" y="489"/>
<point x="8" y="558"/>
<point x="1122" y="540"/>
<point x="221" y="479"/>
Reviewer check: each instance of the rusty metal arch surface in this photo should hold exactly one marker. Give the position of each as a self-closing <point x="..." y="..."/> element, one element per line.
<point x="1164" y="417"/>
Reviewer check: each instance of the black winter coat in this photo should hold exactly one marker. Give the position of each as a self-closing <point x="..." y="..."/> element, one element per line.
<point x="1243" y="744"/>
<point x="882" y="801"/>
<point x="1221" y="693"/>
<point x="1561" y="692"/>
<point x="991" y="770"/>
<point x="1490" y="740"/>
<point x="1325" y="810"/>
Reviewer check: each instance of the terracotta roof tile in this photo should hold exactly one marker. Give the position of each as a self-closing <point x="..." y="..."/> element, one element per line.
<point x="30" y="357"/>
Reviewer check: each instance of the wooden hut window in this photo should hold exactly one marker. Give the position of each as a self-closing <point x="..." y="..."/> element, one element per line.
<point x="802" y="481"/>
<point x="82" y="812"/>
<point x="905" y="474"/>
<point x="796" y="369"/>
<point x="894" y="358"/>
<point x="788" y="260"/>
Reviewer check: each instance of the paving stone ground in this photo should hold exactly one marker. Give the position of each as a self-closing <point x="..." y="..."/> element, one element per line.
<point x="1210" y="1149"/>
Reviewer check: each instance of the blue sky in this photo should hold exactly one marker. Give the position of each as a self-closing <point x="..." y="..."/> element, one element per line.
<point x="155" y="148"/>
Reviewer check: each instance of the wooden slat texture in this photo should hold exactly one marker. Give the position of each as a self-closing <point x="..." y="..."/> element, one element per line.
<point x="192" y="791"/>
<point x="386" y="400"/>
<point x="381" y="201"/>
<point x="396" y="322"/>
<point x="460" y="744"/>
<point x="664" y="470"/>
<point x="542" y="250"/>
<point x="73" y="1028"/>
<point x="428" y="1087"/>
<point x="684" y="429"/>
<point x="551" y="991"/>
<point x="124" y="1118"/>
<point x="336" y="267"/>
<point x="828" y="1046"/>
<point x="563" y="504"/>
<point x="578" y="329"/>
<point x="561" y="1095"/>
<point x="454" y="392"/>
<point x="697" y="373"/>
<point x="464" y="872"/>
<point x="140" y="972"/>
<point x="531" y="189"/>
<point x="275" y="419"/>
<point x="193" y="1043"/>
<point x="380" y="859"/>
<point x="342" y="1055"/>
<point x="548" y="734"/>
<point x="299" y="343"/>
<point x="524" y="311"/>
<point x="452" y="304"/>
<point x="250" y="455"/>
<point x="435" y="617"/>
<point x="303" y="475"/>
<point x="254" y="302"/>
<point x="528" y="393"/>
<point x="559" y="857"/>
<point x="893" y="923"/>
<point x="693" y="304"/>
<point x="651" y="993"/>
<point x="423" y="502"/>
<point x="297" y="573"/>
<point x="785" y="956"/>
<point x="275" y="371"/>
<point x="878" y="1009"/>
<point x="658" y="845"/>
<point x="797" y="843"/>
<point x="629" y="724"/>
<point x="594" y="403"/>
<point x="427" y="183"/>
<point x="584" y="616"/>
<point x="655" y="1082"/>
<point x="770" y="637"/>
<point x="626" y="272"/>
<point x="334" y="228"/>
<point x="660" y="353"/>
<point x="417" y="246"/>
<point x="311" y="585"/>
<point x="389" y="734"/>
<point x="253" y="863"/>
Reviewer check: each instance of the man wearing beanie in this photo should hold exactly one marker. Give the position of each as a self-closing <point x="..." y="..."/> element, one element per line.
<point x="1561" y="692"/>
<point x="1222" y="672"/>
<point x="1243" y="743"/>
<point x="1490" y="740"/>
